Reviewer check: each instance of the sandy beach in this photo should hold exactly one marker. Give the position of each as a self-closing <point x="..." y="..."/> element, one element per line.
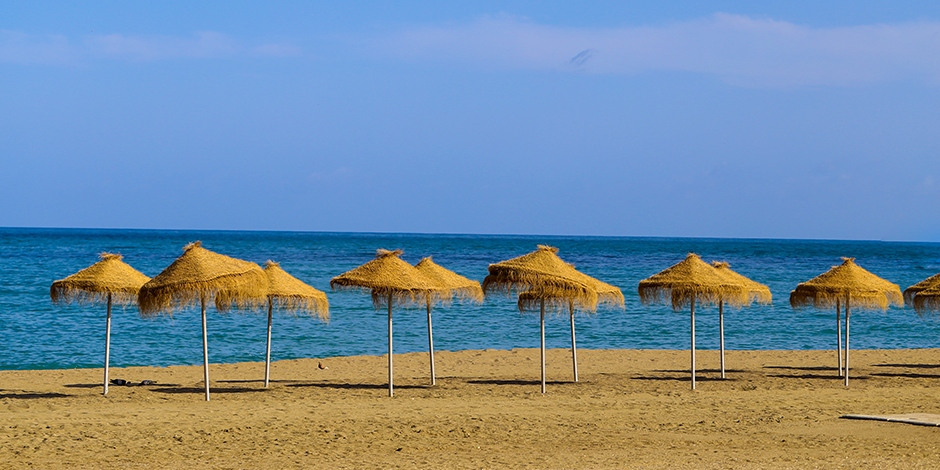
<point x="631" y="409"/>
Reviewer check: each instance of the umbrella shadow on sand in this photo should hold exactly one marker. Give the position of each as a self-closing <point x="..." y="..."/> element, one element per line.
<point x="178" y="389"/>
<point x="681" y="379"/>
<point x="251" y="381"/>
<point x="912" y="366"/>
<point x="797" y="375"/>
<point x="685" y="371"/>
<point x="24" y="395"/>
<point x="82" y="385"/>
<point x="514" y="382"/>
<point x="814" y="368"/>
<point x="131" y="384"/>
<point x="348" y="386"/>
<point x="813" y="377"/>
<point x="909" y="375"/>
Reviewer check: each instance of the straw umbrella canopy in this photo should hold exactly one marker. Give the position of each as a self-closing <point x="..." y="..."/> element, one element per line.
<point x="927" y="300"/>
<point x="912" y="291"/>
<point x="391" y="281"/>
<point x="111" y="280"/>
<point x="543" y="279"/>
<point x="289" y="295"/>
<point x="691" y="282"/>
<point x="459" y="286"/>
<point x="850" y="285"/>
<point x="756" y="291"/>
<point x="199" y="275"/>
<point x="607" y="294"/>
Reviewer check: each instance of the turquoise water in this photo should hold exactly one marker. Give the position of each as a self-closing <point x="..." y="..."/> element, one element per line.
<point x="38" y="335"/>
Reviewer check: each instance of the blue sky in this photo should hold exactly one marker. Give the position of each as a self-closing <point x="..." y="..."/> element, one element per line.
<point x="701" y="119"/>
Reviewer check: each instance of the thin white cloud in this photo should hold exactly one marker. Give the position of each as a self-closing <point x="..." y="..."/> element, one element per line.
<point x="22" y="48"/>
<point x="18" y="47"/>
<point x="739" y="49"/>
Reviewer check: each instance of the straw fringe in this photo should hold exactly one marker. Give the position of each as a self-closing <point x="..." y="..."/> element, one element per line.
<point x="295" y="304"/>
<point x="680" y="297"/>
<point x="459" y="286"/>
<point x="76" y="295"/>
<point x="408" y="298"/>
<point x="531" y="301"/>
<point x="508" y="282"/>
<point x="400" y="297"/>
<point x="927" y="301"/>
<point x="607" y="294"/>
<point x="912" y="291"/>
<point x="825" y="299"/>
<point x="244" y="289"/>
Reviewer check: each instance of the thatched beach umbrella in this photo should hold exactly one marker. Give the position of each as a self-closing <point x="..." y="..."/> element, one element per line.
<point x="110" y="280"/>
<point x="758" y="292"/>
<point x="927" y="300"/>
<point x="689" y="282"/>
<point x="391" y="281"/>
<point x="606" y="295"/>
<point x="545" y="280"/>
<point x="912" y="291"/>
<point x="288" y="294"/>
<point x="459" y="286"/>
<point x="850" y="285"/>
<point x="198" y="276"/>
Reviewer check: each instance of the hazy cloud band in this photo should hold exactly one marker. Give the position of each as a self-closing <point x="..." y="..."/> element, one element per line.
<point x="739" y="49"/>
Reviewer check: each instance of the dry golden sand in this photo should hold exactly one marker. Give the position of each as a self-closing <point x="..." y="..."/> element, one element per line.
<point x="632" y="409"/>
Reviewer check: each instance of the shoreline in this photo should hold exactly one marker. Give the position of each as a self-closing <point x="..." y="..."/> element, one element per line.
<point x="632" y="408"/>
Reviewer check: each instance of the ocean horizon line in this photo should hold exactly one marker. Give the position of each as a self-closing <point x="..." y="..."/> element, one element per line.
<point x="467" y="235"/>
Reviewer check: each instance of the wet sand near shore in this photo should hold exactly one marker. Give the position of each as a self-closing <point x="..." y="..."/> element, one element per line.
<point x="631" y="409"/>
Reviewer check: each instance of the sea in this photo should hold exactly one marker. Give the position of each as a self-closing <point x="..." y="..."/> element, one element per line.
<point x="35" y="334"/>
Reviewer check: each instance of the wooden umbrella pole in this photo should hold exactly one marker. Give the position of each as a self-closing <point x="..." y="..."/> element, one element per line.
<point x="267" y="355"/>
<point x="693" y="341"/>
<point x="847" y="340"/>
<point x="721" y="327"/>
<point x="574" y="345"/>
<point x="542" y="318"/>
<point x="431" y="342"/>
<point x="839" y="334"/>
<point x="391" y="391"/>
<point x="107" y="346"/>
<point x="205" y="343"/>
